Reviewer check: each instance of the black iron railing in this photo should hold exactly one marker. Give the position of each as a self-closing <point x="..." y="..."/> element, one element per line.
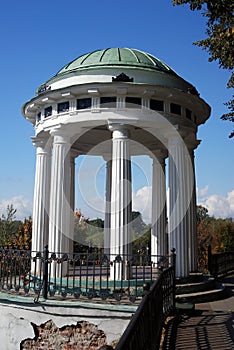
<point x="220" y="263"/>
<point x="83" y="275"/>
<point x="14" y="270"/>
<point x="145" y="328"/>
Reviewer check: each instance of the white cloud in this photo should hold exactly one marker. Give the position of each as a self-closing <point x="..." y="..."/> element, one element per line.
<point x="219" y="206"/>
<point x="21" y="204"/>
<point x="201" y="192"/>
<point x="230" y="198"/>
<point x="141" y="201"/>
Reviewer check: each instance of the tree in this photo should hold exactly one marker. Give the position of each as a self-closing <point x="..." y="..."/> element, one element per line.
<point x="220" y="38"/>
<point x="217" y="233"/>
<point x="15" y="233"/>
<point x="9" y="225"/>
<point x="138" y="225"/>
<point x="141" y="245"/>
<point x="205" y="238"/>
<point x="80" y="231"/>
<point x="140" y="235"/>
<point x="23" y="238"/>
<point x="202" y="213"/>
<point x="97" y="223"/>
<point x="224" y="235"/>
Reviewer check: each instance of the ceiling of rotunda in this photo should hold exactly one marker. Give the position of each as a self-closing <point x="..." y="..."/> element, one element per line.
<point x="97" y="141"/>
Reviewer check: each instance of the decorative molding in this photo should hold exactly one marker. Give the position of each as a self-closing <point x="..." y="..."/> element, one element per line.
<point x="93" y="92"/>
<point x="67" y="94"/>
<point x="122" y="77"/>
<point x="148" y="92"/>
<point x="44" y="88"/>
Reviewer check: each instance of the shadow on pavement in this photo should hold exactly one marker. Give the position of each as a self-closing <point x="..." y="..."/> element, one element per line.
<point x="205" y="330"/>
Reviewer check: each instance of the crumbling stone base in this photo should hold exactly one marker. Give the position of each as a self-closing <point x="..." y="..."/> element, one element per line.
<point x="82" y="336"/>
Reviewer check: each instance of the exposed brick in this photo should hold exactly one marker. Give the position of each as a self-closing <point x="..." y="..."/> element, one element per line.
<point x="82" y="336"/>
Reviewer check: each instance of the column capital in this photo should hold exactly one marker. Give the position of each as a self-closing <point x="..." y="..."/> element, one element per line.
<point x="159" y="155"/>
<point x="59" y="131"/>
<point x="60" y="135"/>
<point x="174" y="139"/>
<point x="42" y="144"/>
<point x="119" y="131"/>
<point x="177" y="134"/>
<point x="38" y="141"/>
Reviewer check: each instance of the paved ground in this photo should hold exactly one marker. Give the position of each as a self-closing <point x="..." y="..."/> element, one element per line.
<point x="211" y="327"/>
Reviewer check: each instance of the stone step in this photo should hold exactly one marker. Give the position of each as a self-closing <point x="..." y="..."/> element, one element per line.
<point x="202" y="297"/>
<point x="185" y="307"/>
<point x="195" y="287"/>
<point x="191" y="278"/>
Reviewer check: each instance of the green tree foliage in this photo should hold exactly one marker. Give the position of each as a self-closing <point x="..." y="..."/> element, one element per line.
<point x="142" y="244"/>
<point x="80" y="231"/>
<point x="97" y="223"/>
<point x="23" y="238"/>
<point x="224" y="235"/>
<point x="138" y="225"/>
<point x="90" y="233"/>
<point x="141" y="235"/>
<point x="87" y="233"/>
<point x="95" y="233"/>
<point x="202" y="213"/>
<point x="8" y="226"/>
<point x="205" y="238"/>
<point x="219" y="42"/>
<point x="15" y="233"/>
<point x="218" y="233"/>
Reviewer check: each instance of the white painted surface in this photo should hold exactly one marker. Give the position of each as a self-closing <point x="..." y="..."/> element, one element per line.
<point x="15" y="324"/>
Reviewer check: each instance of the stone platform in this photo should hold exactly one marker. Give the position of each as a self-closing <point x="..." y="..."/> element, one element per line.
<point x="210" y="326"/>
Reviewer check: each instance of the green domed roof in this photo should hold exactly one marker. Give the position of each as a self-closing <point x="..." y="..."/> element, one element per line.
<point x="118" y="57"/>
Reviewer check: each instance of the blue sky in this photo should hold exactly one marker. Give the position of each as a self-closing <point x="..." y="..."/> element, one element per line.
<point x="38" y="38"/>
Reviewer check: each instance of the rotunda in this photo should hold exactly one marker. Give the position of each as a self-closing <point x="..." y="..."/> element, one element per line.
<point x="127" y="98"/>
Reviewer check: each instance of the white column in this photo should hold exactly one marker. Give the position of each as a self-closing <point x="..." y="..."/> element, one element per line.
<point x="107" y="222"/>
<point x="40" y="227"/>
<point x="73" y="155"/>
<point x="121" y="199"/>
<point x="60" y="210"/>
<point x="192" y="218"/>
<point x="180" y="194"/>
<point x="158" y="229"/>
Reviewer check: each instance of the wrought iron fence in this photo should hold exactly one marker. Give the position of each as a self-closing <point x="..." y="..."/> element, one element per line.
<point x="220" y="263"/>
<point x="14" y="270"/>
<point x="145" y="328"/>
<point x="85" y="275"/>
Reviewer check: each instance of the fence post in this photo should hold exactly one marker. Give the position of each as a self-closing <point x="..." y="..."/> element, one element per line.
<point x="209" y="264"/>
<point x="45" y="273"/>
<point x="173" y="257"/>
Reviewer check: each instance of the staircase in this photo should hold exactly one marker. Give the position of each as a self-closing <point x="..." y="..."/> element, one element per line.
<point x="195" y="289"/>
